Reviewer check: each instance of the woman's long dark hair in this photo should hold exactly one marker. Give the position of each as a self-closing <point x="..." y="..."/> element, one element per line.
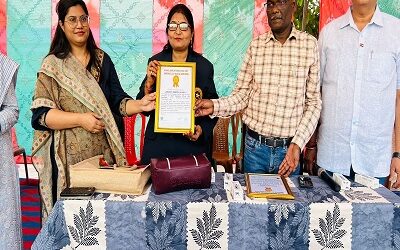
<point x="60" y="46"/>
<point x="184" y="10"/>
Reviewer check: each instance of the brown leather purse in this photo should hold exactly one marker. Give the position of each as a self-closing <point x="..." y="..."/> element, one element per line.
<point x="183" y="172"/>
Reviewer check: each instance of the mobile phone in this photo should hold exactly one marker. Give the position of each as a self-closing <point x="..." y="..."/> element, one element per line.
<point x="305" y="182"/>
<point x="77" y="191"/>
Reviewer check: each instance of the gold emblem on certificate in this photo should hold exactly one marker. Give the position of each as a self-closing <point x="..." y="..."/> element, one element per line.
<point x="176" y="81"/>
<point x="175" y="97"/>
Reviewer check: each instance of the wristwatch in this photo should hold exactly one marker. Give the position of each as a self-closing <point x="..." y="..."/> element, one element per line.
<point x="396" y="155"/>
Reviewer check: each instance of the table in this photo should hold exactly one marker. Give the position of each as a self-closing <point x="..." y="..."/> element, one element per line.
<point x="319" y="218"/>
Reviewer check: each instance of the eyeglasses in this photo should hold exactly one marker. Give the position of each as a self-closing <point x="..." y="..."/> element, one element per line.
<point x="73" y="20"/>
<point x="279" y="3"/>
<point x="182" y="26"/>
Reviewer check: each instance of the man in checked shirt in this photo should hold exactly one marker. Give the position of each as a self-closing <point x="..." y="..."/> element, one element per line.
<point x="278" y="91"/>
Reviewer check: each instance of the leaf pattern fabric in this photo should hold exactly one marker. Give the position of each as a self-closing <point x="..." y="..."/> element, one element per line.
<point x="390" y="196"/>
<point x="329" y="225"/>
<point x="249" y="226"/>
<point x="281" y="211"/>
<point x="214" y="194"/>
<point x="372" y="225"/>
<point x="55" y="235"/>
<point x="85" y="221"/>
<point x="84" y="232"/>
<point x="173" y="221"/>
<point x="126" y="224"/>
<point x="320" y="193"/>
<point x="121" y="197"/>
<point x="169" y="230"/>
<point x="290" y="232"/>
<point x="207" y="225"/>
<point x="159" y="208"/>
<point x="363" y="195"/>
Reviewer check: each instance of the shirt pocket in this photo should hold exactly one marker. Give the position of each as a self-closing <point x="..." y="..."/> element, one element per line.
<point x="300" y="72"/>
<point x="297" y="81"/>
<point x="297" y="73"/>
<point x="381" y="67"/>
<point x="332" y="66"/>
<point x="298" y="67"/>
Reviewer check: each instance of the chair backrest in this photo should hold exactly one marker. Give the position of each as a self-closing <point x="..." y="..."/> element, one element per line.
<point x="237" y="154"/>
<point x="221" y="147"/>
<point x="129" y="138"/>
<point x="220" y="141"/>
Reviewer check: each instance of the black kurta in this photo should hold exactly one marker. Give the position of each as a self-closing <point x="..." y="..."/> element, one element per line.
<point x="158" y="145"/>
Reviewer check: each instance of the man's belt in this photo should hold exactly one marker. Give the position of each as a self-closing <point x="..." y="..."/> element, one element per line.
<point x="269" y="141"/>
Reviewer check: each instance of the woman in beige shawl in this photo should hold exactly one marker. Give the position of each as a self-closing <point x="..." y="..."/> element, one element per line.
<point x="77" y="101"/>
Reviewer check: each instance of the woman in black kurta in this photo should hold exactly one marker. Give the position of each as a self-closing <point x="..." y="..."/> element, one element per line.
<point x="180" y="32"/>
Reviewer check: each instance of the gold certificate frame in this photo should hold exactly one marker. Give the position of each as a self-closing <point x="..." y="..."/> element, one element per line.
<point x="175" y="86"/>
<point x="270" y="186"/>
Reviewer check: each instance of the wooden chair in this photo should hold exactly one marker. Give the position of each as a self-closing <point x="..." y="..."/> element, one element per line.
<point x="20" y="151"/>
<point x="237" y="154"/>
<point x="220" y="151"/>
<point x="221" y="148"/>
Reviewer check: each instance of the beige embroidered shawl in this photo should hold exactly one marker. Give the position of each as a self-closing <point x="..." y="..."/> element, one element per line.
<point x="66" y="85"/>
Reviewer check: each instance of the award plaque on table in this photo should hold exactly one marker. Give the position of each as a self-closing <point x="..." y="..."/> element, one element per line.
<point x="270" y="186"/>
<point x="175" y="97"/>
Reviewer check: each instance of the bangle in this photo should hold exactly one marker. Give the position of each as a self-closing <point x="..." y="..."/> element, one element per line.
<point x="396" y="155"/>
<point x="310" y="148"/>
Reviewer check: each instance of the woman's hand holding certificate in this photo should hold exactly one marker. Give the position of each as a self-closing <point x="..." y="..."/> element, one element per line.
<point x="194" y="136"/>
<point x="152" y="70"/>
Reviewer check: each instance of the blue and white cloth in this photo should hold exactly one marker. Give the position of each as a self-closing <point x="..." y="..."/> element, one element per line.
<point x="205" y="219"/>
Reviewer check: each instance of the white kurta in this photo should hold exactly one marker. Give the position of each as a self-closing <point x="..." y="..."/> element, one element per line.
<point x="10" y="203"/>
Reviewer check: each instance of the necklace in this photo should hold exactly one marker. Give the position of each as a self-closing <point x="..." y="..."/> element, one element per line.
<point x="83" y="59"/>
<point x="86" y="61"/>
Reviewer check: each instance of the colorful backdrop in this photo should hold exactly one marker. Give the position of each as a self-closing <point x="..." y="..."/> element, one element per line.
<point x="130" y="31"/>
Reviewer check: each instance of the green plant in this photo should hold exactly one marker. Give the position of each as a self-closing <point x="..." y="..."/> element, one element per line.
<point x="311" y="14"/>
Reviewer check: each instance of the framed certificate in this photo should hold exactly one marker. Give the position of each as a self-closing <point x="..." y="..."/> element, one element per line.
<point x="175" y="97"/>
<point x="270" y="186"/>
